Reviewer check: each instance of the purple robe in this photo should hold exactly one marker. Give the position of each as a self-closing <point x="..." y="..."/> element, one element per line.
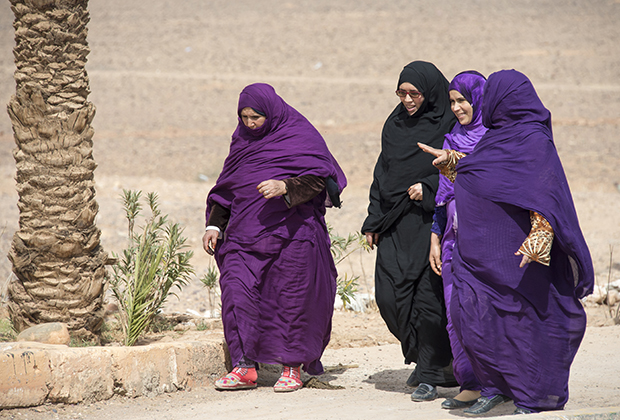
<point x="520" y="327"/>
<point x="462" y="138"/>
<point x="277" y="275"/>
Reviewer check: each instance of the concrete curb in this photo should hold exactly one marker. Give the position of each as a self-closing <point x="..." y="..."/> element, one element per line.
<point x="34" y="373"/>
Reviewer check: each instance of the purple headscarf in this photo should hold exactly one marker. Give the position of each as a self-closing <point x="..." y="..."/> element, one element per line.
<point x="516" y="163"/>
<point x="463" y="138"/>
<point x="286" y="145"/>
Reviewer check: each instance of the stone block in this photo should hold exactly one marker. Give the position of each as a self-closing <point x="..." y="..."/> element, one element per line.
<point x="33" y="373"/>
<point x="49" y="333"/>
<point x="137" y="370"/>
<point x="80" y="374"/>
<point x="25" y="373"/>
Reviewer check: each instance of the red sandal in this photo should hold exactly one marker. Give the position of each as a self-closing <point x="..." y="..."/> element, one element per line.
<point x="290" y="380"/>
<point x="239" y="378"/>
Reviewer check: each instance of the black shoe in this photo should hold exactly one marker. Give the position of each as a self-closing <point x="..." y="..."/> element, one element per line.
<point x="453" y="404"/>
<point x="424" y="392"/>
<point x="520" y="410"/>
<point x="413" y="379"/>
<point x="485" y="404"/>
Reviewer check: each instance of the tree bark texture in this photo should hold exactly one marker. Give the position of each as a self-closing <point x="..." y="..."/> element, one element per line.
<point x="56" y="254"/>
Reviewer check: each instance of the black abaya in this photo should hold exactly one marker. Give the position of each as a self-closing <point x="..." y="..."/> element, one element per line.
<point x="409" y="294"/>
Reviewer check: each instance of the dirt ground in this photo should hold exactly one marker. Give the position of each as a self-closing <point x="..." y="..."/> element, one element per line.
<point x="367" y="378"/>
<point x="165" y="78"/>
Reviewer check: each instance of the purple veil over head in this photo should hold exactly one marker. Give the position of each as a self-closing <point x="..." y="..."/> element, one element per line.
<point x="470" y="84"/>
<point x="286" y="145"/>
<point x="463" y="138"/>
<point x="519" y="326"/>
<point x="277" y="276"/>
<point x="516" y="163"/>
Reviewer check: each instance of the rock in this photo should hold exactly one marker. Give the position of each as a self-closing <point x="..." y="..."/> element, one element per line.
<point x="615" y="285"/>
<point x="359" y="302"/>
<point x="181" y="327"/>
<point x="50" y="333"/>
<point x="612" y="297"/>
<point x="598" y="295"/>
<point x="111" y="308"/>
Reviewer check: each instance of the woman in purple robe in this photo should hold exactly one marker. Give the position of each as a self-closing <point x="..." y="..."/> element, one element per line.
<point x="266" y="229"/>
<point x="520" y="264"/>
<point x="465" y="92"/>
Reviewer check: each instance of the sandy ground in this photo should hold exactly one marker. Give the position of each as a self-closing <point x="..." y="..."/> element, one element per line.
<point x="165" y="78"/>
<point x="373" y="380"/>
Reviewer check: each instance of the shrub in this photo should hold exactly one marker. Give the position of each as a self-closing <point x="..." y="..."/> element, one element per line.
<point x="153" y="263"/>
<point x="210" y="281"/>
<point x="341" y="249"/>
<point x="7" y="333"/>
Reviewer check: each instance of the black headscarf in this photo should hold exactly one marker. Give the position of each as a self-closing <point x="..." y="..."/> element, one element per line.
<point x="401" y="162"/>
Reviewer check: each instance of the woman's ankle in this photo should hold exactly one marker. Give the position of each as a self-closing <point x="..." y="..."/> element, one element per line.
<point x="468" y="395"/>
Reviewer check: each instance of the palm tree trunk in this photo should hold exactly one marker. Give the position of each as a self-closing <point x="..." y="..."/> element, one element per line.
<point x="57" y="258"/>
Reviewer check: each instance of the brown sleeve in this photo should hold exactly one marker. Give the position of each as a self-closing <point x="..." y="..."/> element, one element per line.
<point x="537" y="245"/>
<point x="448" y="169"/>
<point x="302" y="189"/>
<point x="219" y="216"/>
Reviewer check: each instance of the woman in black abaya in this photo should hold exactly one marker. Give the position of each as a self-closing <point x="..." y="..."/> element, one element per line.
<point x="409" y="294"/>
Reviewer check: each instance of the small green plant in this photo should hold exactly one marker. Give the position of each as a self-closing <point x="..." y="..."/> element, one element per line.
<point x="203" y="326"/>
<point x="80" y="342"/>
<point x="110" y="331"/>
<point x="153" y="263"/>
<point x="7" y="333"/>
<point x="161" y="324"/>
<point x="341" y="248"/>
<point x="346" y="288"/>
<point x="210" y="281"/>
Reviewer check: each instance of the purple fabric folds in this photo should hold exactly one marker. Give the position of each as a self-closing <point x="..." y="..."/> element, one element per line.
<point x="520" y="327"/>
<point x="287" y="145"/>
<point x="462" y="138"/>
<point x="277" y="275"/>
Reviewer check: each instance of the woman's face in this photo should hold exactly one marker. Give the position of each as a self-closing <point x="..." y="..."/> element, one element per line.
<point x="461" y="108"/>
<point x="251" y="119"/>
<point x="412" y="105"/>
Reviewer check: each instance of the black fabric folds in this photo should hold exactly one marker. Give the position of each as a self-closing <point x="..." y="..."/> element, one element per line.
<point x="333" y="191"/>
<point x="409" y="294"/>
<point x="401" y="162"/>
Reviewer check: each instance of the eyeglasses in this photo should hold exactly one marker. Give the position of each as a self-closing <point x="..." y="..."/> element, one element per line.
<point x="412" y="93"/>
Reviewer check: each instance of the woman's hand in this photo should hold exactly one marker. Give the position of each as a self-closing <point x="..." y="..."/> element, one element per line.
<point x="415" y="192"/>
<point x="272" y="188"/>
<point x="441" y="155"/>
<point x="435" y="255"/>
<point x="525" y="260"/>
<point x="372" y="239"/>
<point x="209" y="240"/>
